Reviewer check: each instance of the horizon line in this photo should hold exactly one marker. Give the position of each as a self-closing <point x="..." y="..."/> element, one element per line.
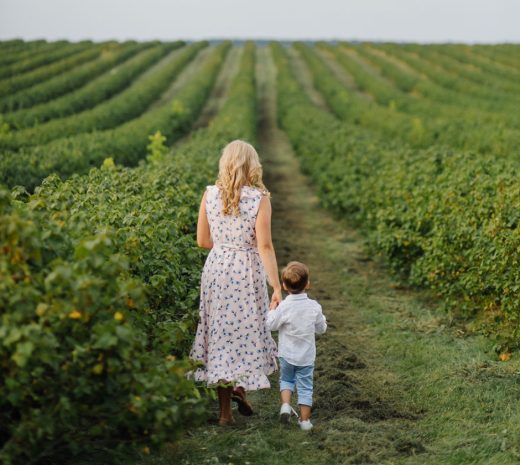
<point x="266" y="39"/>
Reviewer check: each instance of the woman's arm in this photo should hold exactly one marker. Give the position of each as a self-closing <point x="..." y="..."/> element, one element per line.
<point x="266" y="249"/>
<point x="203" y="233"/>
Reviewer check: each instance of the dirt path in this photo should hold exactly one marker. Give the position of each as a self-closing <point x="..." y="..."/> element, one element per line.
<point x="346" y="387"/>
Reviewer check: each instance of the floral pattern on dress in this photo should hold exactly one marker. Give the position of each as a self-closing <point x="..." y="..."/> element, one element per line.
<point x="232" y="339"/>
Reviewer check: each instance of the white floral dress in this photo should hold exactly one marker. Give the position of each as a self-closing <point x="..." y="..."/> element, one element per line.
<point x="232" y="338"/>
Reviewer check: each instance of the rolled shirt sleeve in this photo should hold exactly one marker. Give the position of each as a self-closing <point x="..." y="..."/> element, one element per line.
<point x="275" y="318"/>
<point x="321" y="322"/>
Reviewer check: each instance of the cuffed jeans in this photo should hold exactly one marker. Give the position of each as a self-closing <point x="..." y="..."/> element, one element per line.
<point x="299" y="376"/>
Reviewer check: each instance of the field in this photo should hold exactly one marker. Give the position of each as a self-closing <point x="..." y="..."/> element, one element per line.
<point x="394" y="173"/>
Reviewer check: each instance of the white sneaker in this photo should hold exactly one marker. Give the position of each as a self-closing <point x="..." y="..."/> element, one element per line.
<point x="305" y="425"/>
<point x="285" y="413"/>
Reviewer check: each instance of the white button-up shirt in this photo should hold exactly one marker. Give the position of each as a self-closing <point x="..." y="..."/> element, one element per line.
<point x="297" y="319"/>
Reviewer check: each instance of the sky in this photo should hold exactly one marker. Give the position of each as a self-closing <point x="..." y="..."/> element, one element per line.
<point x="472" y="21"/>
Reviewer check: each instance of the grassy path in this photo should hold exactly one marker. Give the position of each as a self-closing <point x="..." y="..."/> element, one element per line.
<point x="187" y="73"/>
<point x="302" y="73"/>
<point x="395" y="383"/>
<point x="218" y="94"/>
<point x="220" y="90"/>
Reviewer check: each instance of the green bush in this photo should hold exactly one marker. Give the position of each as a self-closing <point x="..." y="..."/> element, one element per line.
<point x="112" y="112"/>
<point x="35" y="58"/>
<point x="76" y="372"/>
<point x="126" y="143"/>
<point x="103" y="87"/>
<point x="442" y="219"/>
<point x="110" y="55"/>
<point x="99" y="294"/>
<point x="18" y="49"/>
<point x="458" y="121"/>
<point x="18" y="82"/>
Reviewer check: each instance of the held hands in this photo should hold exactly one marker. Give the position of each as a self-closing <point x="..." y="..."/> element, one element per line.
<point x="276" y="298"/>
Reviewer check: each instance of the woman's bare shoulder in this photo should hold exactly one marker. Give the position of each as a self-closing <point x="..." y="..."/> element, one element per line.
<point x="208" y="191"/>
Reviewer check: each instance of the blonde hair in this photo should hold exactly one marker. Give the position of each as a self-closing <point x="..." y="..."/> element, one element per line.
<point x="239" y="166"/>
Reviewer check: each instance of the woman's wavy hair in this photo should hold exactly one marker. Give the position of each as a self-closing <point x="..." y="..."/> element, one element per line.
<point x="239" y="166"/>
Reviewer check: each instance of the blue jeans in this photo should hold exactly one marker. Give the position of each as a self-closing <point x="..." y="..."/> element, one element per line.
<point x="291" y="375"/>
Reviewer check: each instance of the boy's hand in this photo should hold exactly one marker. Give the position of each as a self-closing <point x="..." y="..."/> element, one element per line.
<point x="276" y="298"/>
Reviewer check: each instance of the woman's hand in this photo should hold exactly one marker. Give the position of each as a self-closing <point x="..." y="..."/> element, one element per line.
<point x="276" y="298"/>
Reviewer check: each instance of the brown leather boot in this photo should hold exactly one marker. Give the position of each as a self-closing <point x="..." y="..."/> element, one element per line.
<point x="224" y="399"/>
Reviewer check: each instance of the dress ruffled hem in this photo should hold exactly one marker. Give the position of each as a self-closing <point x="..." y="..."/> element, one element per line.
<point x="249" y="381"/>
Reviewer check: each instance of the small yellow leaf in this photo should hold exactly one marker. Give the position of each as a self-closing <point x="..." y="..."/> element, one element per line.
<point x="75" y="315"/>
<point x="41" y="309"/>
<point x="504" y="356"/>
<point x="177" y="107"/>
<point x="97" y="369"/>
<point x="146" y="450"/>
<point x="119" y="316"/>
<point x="108" y="163"/>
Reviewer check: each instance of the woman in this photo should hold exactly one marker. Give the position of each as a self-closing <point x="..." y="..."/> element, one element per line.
<point x="232" y="339"/>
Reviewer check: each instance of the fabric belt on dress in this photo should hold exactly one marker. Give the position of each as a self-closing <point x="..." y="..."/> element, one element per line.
<point x="241" y="248"/>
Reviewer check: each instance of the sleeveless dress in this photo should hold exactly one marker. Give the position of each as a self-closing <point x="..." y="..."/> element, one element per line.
<point x="232" y="338"/>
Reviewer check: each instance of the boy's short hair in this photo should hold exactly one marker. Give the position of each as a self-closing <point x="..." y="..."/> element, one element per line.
<point x="295" y="276"/>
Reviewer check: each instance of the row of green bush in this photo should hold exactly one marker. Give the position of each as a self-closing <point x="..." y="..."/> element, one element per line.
<point x="442" y="219"/>
<point x="21" y="50"/>
<point x="111" y="112"/>
<point x="26" y="62"/>
<point x="454" y="84"/>
<point x="417" y="129"/>
<point x="468" y="55"/>
<point x="18" y="82"/>
<point x="488" y="83"/>
<point x="110" y="56"/>
<point x="13" y="50"/>
<point x="444" y="100"/>
<point x="438" y="108"/>
<point x="506" y="55"/>
<point x="100" y="297"/>
<point x="126" y="143"/>
<point x="112" y="81"/>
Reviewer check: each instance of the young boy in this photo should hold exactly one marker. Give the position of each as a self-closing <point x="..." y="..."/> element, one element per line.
<point x="297" y="319"/>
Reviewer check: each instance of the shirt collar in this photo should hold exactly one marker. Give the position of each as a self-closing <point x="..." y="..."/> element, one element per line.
<point x="300" y="296"/>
